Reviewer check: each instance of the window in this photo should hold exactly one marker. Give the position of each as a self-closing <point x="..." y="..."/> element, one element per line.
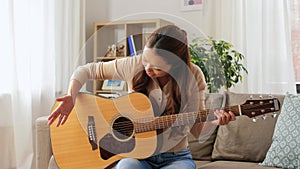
<point x="6" y="50"/>
<point x="295" y="31"/>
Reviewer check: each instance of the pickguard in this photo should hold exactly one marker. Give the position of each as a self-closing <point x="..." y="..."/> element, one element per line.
<point x="109" y="146"/>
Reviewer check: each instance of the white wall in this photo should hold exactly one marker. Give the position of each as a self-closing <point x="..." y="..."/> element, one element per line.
<point x="197" y="23"/>
<point x="194" y="22"/>
<point x="96" y="10"/>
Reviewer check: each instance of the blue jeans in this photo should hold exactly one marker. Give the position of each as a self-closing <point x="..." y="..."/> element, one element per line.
<point x="179" y="160"/>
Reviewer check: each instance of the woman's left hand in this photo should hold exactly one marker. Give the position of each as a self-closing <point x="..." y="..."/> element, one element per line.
<point x="223" y="117"/>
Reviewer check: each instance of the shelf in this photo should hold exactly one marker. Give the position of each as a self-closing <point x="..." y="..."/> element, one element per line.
<point x="109" y="58"/>
<point x="109" y="33"/>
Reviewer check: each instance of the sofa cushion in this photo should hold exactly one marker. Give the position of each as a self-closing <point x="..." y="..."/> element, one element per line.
<point x="243" y="139"/>
<point x="201" y="148"/>
<point x="200" y="163"/>
<point x="284" y="150"/>
<point x="52" y="163"/>
<point x="232" y="165"/>
<point x="43" y="143"/>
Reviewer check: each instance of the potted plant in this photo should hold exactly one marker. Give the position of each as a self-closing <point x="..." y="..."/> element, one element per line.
<point x="220" y="64"/>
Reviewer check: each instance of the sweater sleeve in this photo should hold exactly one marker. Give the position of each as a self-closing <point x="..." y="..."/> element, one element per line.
<point x="119" y="69"/>
<point x="197" y="90"/>
<point x="201" y="84"/>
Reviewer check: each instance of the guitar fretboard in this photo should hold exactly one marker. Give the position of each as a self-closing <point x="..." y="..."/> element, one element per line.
<point x="154" y="123"/>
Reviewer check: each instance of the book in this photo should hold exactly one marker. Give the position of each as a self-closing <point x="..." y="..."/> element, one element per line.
<point x="113" y="85"/>
<point x="135" y="44"/>
<point x="131" y="48"/>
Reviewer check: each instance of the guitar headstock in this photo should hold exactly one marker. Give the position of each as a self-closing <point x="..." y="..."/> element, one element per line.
<point x="253" y="108"/>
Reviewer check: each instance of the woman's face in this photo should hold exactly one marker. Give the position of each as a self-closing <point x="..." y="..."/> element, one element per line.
<point x="155" y="66"/>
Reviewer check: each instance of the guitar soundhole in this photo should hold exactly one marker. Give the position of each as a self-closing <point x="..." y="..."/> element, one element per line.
<point x="123" y="128"/>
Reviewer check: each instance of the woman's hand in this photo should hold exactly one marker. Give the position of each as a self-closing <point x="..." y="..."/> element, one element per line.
<point x="223" y="117"/>
<point x="62" y="111"/>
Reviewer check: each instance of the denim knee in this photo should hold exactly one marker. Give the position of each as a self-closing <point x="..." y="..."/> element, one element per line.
<point x="130" y="163"/>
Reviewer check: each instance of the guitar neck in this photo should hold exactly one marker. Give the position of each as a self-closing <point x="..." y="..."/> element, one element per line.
<point x="175" y="120"/>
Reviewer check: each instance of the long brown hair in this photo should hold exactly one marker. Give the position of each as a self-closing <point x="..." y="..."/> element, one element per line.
<point x="167" y="42"/>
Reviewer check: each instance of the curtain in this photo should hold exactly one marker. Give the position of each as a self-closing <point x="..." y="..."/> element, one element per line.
<point x="261" y="31"/>
<point x="39" y="44"/>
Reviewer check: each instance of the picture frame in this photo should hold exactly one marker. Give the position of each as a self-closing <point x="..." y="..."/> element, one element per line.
<point x="113" y="85"/>
<point x="191" y="5"/>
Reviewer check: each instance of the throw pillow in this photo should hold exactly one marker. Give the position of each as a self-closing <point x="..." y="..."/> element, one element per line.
<point x="201" y="148"/>
<point x="285" y="148"/>
<point x="244" y="140"/>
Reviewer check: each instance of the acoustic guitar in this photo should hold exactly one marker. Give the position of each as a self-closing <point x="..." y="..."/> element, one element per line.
<point x="101" y="131"/>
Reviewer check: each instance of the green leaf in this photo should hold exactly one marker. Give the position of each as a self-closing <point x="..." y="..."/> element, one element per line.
<point x="221" y="65"/>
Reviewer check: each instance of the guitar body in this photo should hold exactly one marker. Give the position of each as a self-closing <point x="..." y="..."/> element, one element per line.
<point x="71" y="143"/>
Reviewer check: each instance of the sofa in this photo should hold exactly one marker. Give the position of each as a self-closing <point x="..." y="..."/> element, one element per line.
<point x="241" y="144"/>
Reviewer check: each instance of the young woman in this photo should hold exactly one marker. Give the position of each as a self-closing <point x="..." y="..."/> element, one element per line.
<point x="165" y="74"/>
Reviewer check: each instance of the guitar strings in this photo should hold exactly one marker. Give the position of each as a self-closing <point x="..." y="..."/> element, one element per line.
<point x="146" y="124"/>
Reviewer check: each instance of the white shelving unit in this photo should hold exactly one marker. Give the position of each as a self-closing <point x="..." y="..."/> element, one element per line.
<point x="109" y="33"/>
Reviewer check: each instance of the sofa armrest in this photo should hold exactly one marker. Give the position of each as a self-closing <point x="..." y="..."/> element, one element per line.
<point x="43" y="143"/>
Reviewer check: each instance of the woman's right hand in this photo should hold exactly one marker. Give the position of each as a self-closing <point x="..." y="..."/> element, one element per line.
<point x="62" y="111"/>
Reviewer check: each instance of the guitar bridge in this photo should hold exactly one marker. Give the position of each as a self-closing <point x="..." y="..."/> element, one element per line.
<point x="92" y="132"/>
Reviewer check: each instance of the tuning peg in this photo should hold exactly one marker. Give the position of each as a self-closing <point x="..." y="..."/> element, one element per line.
<point x="264" y="117"/>
<point x="251" y="97"/>
<point x="254" y="119"/>
<point x="260" y="96"/>
<point x="270" y="95"/>
<point x="274" y="115"/>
